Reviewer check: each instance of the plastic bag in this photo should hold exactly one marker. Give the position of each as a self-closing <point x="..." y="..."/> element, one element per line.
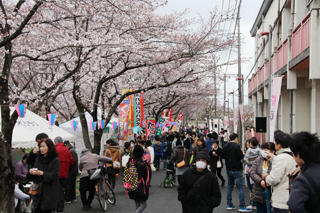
<point x="95" y="175"/>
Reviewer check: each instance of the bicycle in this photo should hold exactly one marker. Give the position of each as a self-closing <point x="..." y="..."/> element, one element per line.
<point x="104" y="191"/>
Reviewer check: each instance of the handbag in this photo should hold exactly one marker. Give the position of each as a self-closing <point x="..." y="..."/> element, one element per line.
<point x="35" y="189"/>
<point x="125" y="160"/>
<point x="182" y="163"/>
<point x="153" y="168"/>
<point x="219" y="165"/>
<point x="116" y="165"/>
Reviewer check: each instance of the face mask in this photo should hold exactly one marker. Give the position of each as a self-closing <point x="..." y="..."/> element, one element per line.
<point x="201" y="165"/>
<point x="264" y="154"/>
<point x="132" y="145"/>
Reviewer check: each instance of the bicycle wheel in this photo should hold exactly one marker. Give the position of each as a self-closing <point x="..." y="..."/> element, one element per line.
<point x="101" y="196"/>
<point x="110" y="194"/>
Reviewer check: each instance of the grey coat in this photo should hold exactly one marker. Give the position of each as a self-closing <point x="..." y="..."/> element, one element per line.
<point x="256" y="176"/>
<point x="90" y="161"/>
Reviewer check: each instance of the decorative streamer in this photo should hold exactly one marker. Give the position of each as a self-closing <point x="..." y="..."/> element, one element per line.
<point x="74" y="125"/>
<point x="93" y="125"/>
<point x="21" y="110"/>
<point x="52" y="119"/>
<point x="102" y="124"/>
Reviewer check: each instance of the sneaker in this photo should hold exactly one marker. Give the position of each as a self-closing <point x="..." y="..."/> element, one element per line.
<point x="244" y="209"/>
<point x="231" y="207"/>
<point x="74" y="201"/>
<point x="68" y="202"/>
<point x="252" y="207"/>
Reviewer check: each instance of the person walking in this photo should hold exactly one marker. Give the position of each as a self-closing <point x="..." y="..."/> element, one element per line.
<point x="201" y="147"/>
<point x="199" y="190"/>
<point x="141" y="195"/>
<point x="46" y="172"/>
<point x="233" y="156"/>
<point x="259" y="165"/>
<point x="282" y="165"/>
<point x="113" y="151"/>
<point x="157" y="146"/>
<point x="180" y="154"/>
<point x="304" y="195"/>
<point x="216" y="163"/>
<point x="66" y="160"/>
<point x="88" y="161"/>
<point x="72" y="176"/>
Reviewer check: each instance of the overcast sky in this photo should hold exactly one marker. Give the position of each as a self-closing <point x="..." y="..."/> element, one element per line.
<point x="249" y="11"/>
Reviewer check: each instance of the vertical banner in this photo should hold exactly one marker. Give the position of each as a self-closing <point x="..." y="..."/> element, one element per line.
<point x="215" y="127"/>
<point x="164" y="113"/>
<point x="170" y="114"/>
<point x="226" y="122"/>
<point x="138" y="110"/>
<point x="210" y="125"/>
<point x="235" y="119"/>
<point x="275" y="97"/>
<point x="150" y="127"/>
<point x="131" y="111"/>
<point x="242" y="122"/>
<point x="220" y="124"/>
<point x="123" y="121"/>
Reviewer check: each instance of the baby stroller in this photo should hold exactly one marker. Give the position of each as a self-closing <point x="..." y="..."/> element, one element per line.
<point x="170" y="177"/>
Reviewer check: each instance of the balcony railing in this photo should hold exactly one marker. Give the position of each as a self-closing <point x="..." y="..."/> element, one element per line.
<point x="250" y="85"/>
<point x="301" y="36"/>
<point x="255" y="81"/>
<point x="282" y="55"/>
<point x="261" y="75"/>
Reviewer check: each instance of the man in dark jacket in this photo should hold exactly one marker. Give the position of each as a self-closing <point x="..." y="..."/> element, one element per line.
<point x="170" y="136"/>
<point x="304" y="195"/>
<point x="199" y="190"/>
<point x="31" y="159"/>
<point x="72" y="176"/>
<point x="233" y="156"/>
<point x="66" y="160"/>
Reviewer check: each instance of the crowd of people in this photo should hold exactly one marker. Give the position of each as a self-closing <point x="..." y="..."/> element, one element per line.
<point x="280" y="175"/>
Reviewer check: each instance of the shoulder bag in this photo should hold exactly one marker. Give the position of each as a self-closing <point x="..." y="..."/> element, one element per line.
<point x="199" y="179"/>
<point x="182" y="163"/>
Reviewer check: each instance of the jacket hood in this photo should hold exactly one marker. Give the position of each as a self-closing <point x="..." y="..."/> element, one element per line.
<point x="255" y="150"/>
<point x="158" y="143"/>
<point x="229" y="146"/>
<point x="114" y="148"/>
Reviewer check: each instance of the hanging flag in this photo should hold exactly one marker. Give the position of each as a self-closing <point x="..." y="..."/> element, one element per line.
<point x="164" y="113"/>
<point x="161" y="120"/>
<point x="275" y="97"/>
<point x="180" y="117"/>
<point x="242" y="122"/>
<point x="101" y="124"/>
<point x="114" y="125"/>
<point x="21" y="110"/>
<point x="74" y="125"/>
<point x="235" y="119"/>
<point x="150" y="127"/>
<point x="131" y="111"/>
<point x="138" y="110"/>
<point x="52" y="119"/>
<point x="123" y="121"/>
<point x="170" y="114"/>
<point x="93" y="125"/>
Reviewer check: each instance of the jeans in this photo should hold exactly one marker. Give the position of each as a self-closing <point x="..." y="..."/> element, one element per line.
<point x="140" y="205"/>
<point x="276" y="210"/>
<point x="165" y="157"/>
<point x="71" y="188"/>
<point x="261" y="207"/>
<point x="235" y="176"/>
<point x="157" y="161"/>
<point x="63" y="187"/>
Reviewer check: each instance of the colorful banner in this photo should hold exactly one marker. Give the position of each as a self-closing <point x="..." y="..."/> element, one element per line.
<point x="93" y="125"/>
<point x="275" y="97"/>
<point x="138" y="110"/>
<point x="180" y="117"/>
<point x="52" y="120"/>
<point x="164" y="113"/>
<point x="102" y="124"/>
<point x="131" y="112"/>
<point x="226" y="122"/>
<point x="242" y="122"/>
<point x="74" y="125"/>
<point x="161" y="120"/>
<point x="235" y="119"/>
<point x="123" y="121"/>
<point x="150" y="127"/>
<point x="158" y="132"/>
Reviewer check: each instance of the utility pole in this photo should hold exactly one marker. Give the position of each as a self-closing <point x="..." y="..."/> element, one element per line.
<point x="215" y="90"/>
<point x="239" y="71"/>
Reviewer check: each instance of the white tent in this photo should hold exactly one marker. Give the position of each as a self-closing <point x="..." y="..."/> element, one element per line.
<point x="27" y="128"/>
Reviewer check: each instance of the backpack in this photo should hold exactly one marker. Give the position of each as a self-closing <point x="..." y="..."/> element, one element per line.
<point x="131" y="180"/>
<point x="146" y="155"/>
<point x="157" y="148"/>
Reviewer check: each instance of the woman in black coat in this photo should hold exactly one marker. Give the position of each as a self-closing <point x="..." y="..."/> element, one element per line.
<point x="200" y="147"/>
<point x="140" y="196"/>
<point x="47" y="173"/>
<point x="199" y="190"/>
<point x="215" y="157"/>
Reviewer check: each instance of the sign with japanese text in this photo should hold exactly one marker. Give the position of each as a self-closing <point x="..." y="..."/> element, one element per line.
<point x="123" y="121"/>
<point x="138" y="110"/>
<point x="151" y="126"/>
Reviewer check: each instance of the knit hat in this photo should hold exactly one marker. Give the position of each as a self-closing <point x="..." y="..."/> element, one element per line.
<point x="138" y="151"/>
<point x="203" y="155"/>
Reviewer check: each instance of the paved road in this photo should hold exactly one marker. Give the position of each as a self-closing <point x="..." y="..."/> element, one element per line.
<point x="160" y="199"/>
